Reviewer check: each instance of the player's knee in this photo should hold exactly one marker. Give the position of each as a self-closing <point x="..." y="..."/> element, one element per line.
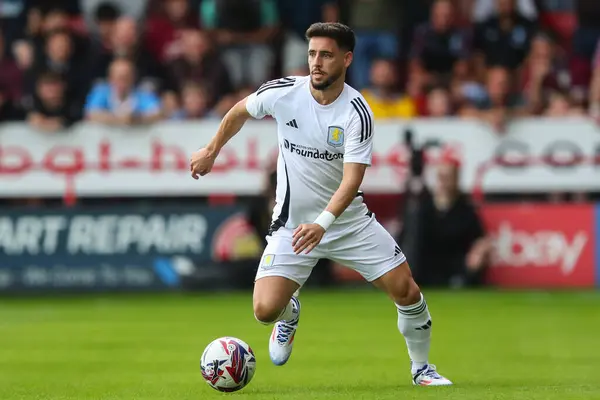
<point x="400" y="286"/>
<point x="265" y="313"/>
<point x="406" y="292"/>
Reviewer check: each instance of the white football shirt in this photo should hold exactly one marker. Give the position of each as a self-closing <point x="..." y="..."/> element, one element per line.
<point x="314" y="143"/>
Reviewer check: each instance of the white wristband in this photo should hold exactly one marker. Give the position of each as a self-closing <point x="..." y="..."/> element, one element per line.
<point x="325" y="219"/>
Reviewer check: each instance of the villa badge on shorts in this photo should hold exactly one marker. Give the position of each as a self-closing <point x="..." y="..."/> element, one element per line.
<point x="267" y="261"/>
<point x="335" y="136"/>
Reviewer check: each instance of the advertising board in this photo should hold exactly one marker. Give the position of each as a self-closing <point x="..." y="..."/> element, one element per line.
<point x="532" y="155"/>
<point x="120" y="248"/>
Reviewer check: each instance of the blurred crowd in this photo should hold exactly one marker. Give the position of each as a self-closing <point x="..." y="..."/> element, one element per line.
<point x="139" y="61"/>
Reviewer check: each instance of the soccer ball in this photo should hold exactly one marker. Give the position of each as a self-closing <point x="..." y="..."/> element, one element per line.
<point x="228" y="364"/>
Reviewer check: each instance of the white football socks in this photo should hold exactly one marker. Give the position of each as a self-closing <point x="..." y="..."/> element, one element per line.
<point x="288" y="313"/>
<point x="414" y="322"/>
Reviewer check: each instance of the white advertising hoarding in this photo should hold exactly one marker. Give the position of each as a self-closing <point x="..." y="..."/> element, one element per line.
<point x="108" y="161"/>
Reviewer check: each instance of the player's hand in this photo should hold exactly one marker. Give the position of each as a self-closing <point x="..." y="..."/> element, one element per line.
<point x="306" y="237"/>
<point x="202" y="162"/>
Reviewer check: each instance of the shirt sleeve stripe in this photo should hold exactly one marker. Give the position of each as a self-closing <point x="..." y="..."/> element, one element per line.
<point x="274" y="81"/>
<point x="368" y="117"/>
<point x="277" y="82"/>
<point x="274" y="86"/>
<point x="362" y="120"/>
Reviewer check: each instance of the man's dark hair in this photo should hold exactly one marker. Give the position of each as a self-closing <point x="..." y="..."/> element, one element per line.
<point x="107" y="12"/>
<point x="53" y="9"/>
<point x="342" y="34"/>
<point x="50" y="77"/>
<point x="59" y="31"/>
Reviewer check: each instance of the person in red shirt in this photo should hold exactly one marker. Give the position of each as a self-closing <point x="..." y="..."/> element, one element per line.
<point x="164" y="30"/>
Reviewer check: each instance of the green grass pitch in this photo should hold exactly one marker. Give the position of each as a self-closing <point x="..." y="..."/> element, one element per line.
<point x="494" y="345"/>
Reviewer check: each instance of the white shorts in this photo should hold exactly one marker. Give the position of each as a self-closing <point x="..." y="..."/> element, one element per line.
<point x="366" y="248"/>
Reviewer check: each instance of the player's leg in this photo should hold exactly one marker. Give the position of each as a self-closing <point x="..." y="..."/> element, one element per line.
<point x="272" y="299"/>
<point x="373" y="253"/>
<point x="274" y="303"/>
<point x="414" y="322"/>
<point x="280" y="275"/>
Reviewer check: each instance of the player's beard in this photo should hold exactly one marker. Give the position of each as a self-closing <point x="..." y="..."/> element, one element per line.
<point x="327" y="82"/>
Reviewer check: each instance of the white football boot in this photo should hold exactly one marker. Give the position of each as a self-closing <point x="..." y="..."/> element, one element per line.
<point x="282" y="337"/>
<point x="428" y="376"/>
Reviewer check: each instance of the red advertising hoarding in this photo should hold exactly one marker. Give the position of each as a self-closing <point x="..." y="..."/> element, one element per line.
<point x="541" y="245"/>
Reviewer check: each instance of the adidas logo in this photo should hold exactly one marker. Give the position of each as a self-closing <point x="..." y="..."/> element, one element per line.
<point x="397" y="251"/>
<point x="293" y="124"/>
<point x="424" y="327"/>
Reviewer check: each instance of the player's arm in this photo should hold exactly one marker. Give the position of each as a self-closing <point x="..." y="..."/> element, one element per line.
<point x="257" y="105"/>
<point x="203" y="160"/>
<point x="231" y="124"/>
<point x="346" y="193"/>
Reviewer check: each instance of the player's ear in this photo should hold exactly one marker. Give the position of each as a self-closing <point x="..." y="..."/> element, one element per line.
<point x="348" y="59"/>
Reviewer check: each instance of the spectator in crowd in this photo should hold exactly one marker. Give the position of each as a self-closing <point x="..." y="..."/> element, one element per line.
<point x="297" y="16"/>
<point x="587" y="34"/>
<point x="594" y="92"/>
<point x="199" y="62"/>
<point x="55" y="18"/>
<point x="195" y="102"/>
<point x="504" y="38"/>
<point x="13" y="17"/>
<point x="440" y="48"/>
<point x="120" y="102"/>
<point x="125" y="43"/>
<point x="135" y="9"/>
<point x="23" y="55"/>
<point x="164" y="30"/>
<point x="453" y="248"/>
<point x="439" y="103"/>
<point x="584" y="42"/>
<point x="416" y="88"/>
<point x="10" y="84"/>
<point x="415" y="14"/>
<point x="485" y="9"/>
<point x="559" y="104"/>
<point x="70" y="6"/>
<point x="51" y="109"/>
<point x="22" y="47"/>
<point x="23" y="19"/>
<point x="465" y="89"/>
<point x="377" y="25"/>
<point x="41" y="21"/>
<point x="383" y="95"/>
<point x="543" y="71"/>
<point x="499" y="103"/>
<point x="59" y="19"/>
<point x="59" y="57"/>
<point x="522" y="72"/>
<point x="106" y="16"/>
<point x="244" y="31"/>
